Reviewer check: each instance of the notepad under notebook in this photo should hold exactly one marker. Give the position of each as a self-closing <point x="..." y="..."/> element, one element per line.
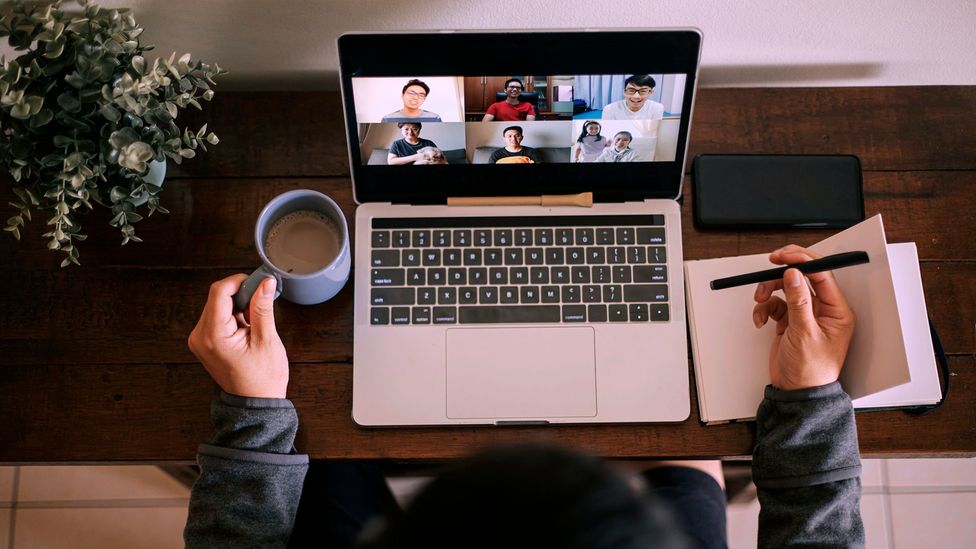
<point x="890" y="361"/>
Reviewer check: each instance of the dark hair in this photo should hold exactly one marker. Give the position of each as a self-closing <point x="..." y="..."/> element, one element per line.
<point x="519" y="128"/>
<point x="418" y="124"/>
<point x="583" y="133"/>
<point x="529" y="496"/>
<point x="510" y="80"/>
<point x="641" y="80"/>
<point x="416" y="82"/>
<point x="628" y="134"/>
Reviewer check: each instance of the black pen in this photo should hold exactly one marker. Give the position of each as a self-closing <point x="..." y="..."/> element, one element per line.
<point x="828" y="263"/>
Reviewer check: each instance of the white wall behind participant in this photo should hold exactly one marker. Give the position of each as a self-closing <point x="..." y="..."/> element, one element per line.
<point x="377" y="97"/>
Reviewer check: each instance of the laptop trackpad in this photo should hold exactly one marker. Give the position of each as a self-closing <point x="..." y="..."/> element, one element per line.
<point x="521" y="373"/>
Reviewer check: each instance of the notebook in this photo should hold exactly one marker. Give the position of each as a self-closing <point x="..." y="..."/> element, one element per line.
<point x="518" y="314"/>
<point x="890" y="361"/>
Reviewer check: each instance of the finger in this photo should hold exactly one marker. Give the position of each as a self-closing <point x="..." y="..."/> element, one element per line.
<point x="262" y="310"/>
<point x="792" y="253"/>
<point x="775" y="308"/>
<point x="219" y="305"/>
<point x="824" y="284"/>
<point x="799" y="302"/>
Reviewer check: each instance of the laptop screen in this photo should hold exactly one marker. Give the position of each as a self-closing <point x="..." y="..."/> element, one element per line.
<point x="482" y="114"/>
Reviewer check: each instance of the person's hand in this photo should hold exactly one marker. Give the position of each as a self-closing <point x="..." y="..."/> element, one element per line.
<point x="813" y="332"/>
<point x="245" y="359"/>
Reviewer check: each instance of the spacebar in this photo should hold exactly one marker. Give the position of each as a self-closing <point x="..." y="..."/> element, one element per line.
<point x="495" y="315"/>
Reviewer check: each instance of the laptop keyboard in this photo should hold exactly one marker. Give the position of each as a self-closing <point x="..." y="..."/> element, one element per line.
<point x="494" y="270"/>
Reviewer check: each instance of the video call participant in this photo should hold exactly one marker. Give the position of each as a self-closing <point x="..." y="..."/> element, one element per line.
<point x="636" y="104"/>
<point x="511" y="109"/>
<point x="513" y="152"/>
<point x="414" y="94"/>
<point x="620" y="151"/>
<point x="407" y="150"/>
<point x="590" y="143"/>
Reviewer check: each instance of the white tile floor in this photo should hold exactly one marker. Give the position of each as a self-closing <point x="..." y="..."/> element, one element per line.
<point x="906" y="504"/>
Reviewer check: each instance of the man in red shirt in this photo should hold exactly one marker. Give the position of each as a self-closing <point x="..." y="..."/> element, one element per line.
<point x="511" y="109"/>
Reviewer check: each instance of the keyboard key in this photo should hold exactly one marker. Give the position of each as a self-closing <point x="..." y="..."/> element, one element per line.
<point x="452" y="257"/>
<point x="431" y="258"/>
<point x="550" y="294"/>
<point x="436" y="277"/>
<point x="625" y="235"/>
<point x="543" y="237"/>
<point x="645" y="292"/>
<point x="379" y="315"/>
<point x="478" y="276"/>
<point x="646" y="235"/>
<point x="381" y="239"/>
<point x="426" y="296"/>
<point x="508" y="294"/>
<point x="584" y="237"/>
<point x="596" y="255"/>
<point x="482" y="237"/>
<point x="616" y="255"/>
<point x="421" y="239"/>
<point x="523" y="237"/>
<point x="498" y="275"/>
<point x="457" y="276"/>
<point x="518" y="275"/>
<point x="447" y="296"/>
<point x="611" y="293"/>
<point x="442" y="239"/>
<point x="591" y="294"/>
<point x="618" y="313"/>
<point x="638" y="312"/>
<point x="401" y="239"/>
<point x="574" y="313"/>
<point x="385" y="258"/>
<point x="468" y="296"/>
<point x="503" y="237"/>
<point x="513" y="256"/>
<point x="580" y="275"/>
<point x="400" y="315"/>
<point x="554" y="256"/>
<point x="657" y="254"/>
<point x="494" y="256"/>
<point x="564" y="237"/>
<point x="597" y="313"/>
<point x="650" y="273"/>
<point x="534" y="256"/>
<point x="445" y="315"/>
<point x="621" y="274"/>
<point x="604" y="236"/>
<point x="391" y="296"/>
<point x="416" y="277"/>
<point x="539" y="275"/>
<point x="421" y="315"/>
<point x="388" y="277"/>
<point x="560" y="275"/>
<point x="601" y="275"/>
<point x="411" y="258"/>
<point x="462" y="238"/>
<point x="512" y="313"/>
<point x="571" y="294"/>
<point x="659" y="312"/>
<point x="529" y="294"/>
<point x="636" y="254"/>
<point x="488" y="294"/>
<point x="472" y="257"/>
<point x="575" y="256"/>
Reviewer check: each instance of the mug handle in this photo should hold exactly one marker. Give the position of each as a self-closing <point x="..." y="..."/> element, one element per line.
<point x="242" y="299"/>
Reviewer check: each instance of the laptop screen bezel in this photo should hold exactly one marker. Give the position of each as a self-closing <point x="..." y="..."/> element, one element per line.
<point x="675" y="51"/>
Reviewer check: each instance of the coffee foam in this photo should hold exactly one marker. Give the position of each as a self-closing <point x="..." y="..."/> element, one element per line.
<point x="303" y="242"/>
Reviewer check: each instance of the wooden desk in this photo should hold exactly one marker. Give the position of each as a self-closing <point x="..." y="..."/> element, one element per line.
<point x="94" y="364"/>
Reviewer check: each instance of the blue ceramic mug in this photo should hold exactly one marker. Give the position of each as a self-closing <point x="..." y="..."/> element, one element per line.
<point x="303" y="240"/>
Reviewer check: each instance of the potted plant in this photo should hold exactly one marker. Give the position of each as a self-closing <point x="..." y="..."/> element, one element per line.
<point x="85" y="117"/>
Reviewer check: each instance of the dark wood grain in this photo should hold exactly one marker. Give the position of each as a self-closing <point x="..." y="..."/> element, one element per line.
<point x="94" y="364"/>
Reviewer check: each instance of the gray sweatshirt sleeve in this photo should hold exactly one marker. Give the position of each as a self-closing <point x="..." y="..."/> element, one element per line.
<point x="250" y="476"/>
<point x="807" y="469"/>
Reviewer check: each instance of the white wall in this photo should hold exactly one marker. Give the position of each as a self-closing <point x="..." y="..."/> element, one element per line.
<point x="290" y="44"/>
<point x="377" y="97"/>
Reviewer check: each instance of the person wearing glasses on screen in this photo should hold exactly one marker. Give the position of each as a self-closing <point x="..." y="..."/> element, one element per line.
<point x="414" y="94"/>
<point x="511" y="109"/>
<point x="636" y="104"/>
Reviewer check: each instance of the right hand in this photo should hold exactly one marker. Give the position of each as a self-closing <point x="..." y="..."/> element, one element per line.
<point x="813" y="332"/>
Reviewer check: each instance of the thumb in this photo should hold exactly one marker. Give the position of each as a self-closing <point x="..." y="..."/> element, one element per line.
<point x="799" y="304"/>
<point x="262" y="309"/>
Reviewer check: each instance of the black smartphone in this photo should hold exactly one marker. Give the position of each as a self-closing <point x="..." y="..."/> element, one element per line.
<point x="756" y="191"/>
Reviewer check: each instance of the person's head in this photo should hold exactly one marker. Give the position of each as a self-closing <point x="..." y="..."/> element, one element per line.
<point x="530" y="496"/>
<point x="590" y="129"/>
<point x="621" y="140"/>
<point x="414" y="94"/>
<point x="513" y="87"/>
<point x="410" y="130"/>
<point x="513" y="136"/>
<point x="637" y="89"/>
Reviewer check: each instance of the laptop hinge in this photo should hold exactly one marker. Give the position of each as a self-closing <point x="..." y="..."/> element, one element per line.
<point x="583" y="200"/>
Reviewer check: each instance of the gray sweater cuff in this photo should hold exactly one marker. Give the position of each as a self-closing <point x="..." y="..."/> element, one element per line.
<point x="805" y="437"/>
<point x="254" y="429"/>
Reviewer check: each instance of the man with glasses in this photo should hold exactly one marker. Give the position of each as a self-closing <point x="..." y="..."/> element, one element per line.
<point x="511" y="109"/>
<point x="413" y="95"/>
<point x="636" y="104"/>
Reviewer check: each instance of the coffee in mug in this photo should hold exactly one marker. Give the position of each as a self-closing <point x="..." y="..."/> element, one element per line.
<point x="303" y="242"/>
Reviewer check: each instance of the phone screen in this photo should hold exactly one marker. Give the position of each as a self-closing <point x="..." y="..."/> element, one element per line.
<point x="794" y="191"/>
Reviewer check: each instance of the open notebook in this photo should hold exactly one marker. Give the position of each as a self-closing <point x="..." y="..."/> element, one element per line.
<point x="890" y="362"/>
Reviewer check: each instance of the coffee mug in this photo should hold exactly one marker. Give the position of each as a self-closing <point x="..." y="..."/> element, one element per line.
<point x="303" y="241"/>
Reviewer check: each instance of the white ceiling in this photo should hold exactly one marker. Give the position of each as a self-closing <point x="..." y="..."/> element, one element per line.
<point x="290" y="44"/>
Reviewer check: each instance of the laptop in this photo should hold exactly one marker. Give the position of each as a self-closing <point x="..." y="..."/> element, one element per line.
<point x="483" y="293"/>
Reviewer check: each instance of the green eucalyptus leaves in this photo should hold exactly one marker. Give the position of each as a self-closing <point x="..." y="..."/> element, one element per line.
<point x="83" y="114"/>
